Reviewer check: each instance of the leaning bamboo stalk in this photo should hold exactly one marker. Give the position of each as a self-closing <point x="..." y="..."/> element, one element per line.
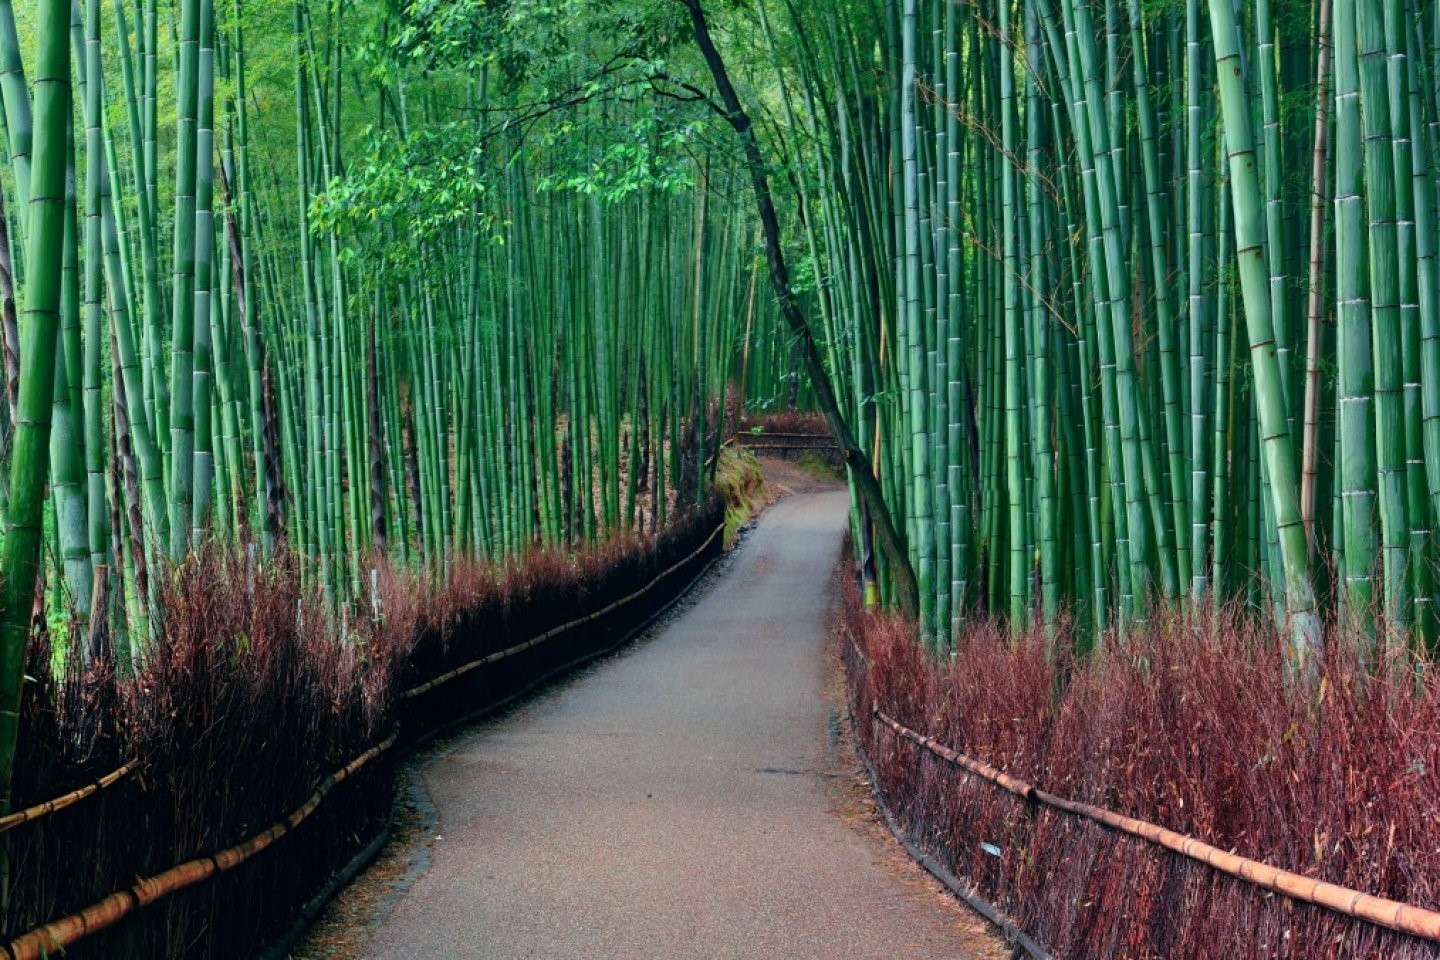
<point x="1278" y="450"/>
<point x="868" y="485"/>
<point x="29" y="464"/>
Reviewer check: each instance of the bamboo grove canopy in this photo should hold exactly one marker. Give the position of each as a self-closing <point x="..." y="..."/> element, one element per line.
<point x="1107" y="302"/>
<point x="1132" y="301"/>
<point x="362" y="283"/>
<point x="324" y="273"/>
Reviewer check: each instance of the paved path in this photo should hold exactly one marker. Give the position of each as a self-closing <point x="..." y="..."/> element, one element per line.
<point x="674" y="802"/>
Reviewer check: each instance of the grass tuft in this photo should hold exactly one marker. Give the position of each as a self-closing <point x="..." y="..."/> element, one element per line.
<point x="741" y="481"/>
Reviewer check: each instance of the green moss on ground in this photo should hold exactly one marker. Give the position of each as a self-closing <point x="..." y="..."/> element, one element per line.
<point x="739" y="478"/>
<point x="816" y="466"/>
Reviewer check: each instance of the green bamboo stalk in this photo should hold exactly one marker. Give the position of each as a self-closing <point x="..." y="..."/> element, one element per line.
<point x="182" y="352"/>
<point x="1279" y="452"/>
<point x="20" y="550"/>
<point x="202" y="385"/>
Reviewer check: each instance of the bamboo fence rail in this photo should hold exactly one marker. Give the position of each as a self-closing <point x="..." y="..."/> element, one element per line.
<point x="1403" y="917"/>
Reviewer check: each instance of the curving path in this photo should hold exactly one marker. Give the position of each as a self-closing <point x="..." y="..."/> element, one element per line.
<point x="679" y="800"/>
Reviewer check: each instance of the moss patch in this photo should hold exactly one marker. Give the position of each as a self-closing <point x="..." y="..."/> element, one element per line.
<point x="816" y="466"/>
<point x="741" y="482"/>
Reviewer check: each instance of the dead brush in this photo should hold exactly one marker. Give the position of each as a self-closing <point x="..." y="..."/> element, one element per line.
<point x="245" y="700"/>
<point x="808" y="423"/>
<point x="479" y="610"/>
<point x="240" y="701"/>
<point x="247" y="696"/>
<point x="74" y="731"/>
<point x="1189" y="724"/>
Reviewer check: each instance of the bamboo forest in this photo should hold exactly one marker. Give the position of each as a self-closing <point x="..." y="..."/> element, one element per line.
<point x="940" y="403"/>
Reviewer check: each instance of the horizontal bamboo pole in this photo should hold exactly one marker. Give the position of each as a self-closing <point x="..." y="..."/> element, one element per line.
<point x="1402" y="917"/>
<point x="978" y="767"/>
<point x="521" y="647"/>
<point x="47" y="940"/>
<point x="1012" y="932"/>
<point x="13" y="820"/>
<point x="817" y="446"/>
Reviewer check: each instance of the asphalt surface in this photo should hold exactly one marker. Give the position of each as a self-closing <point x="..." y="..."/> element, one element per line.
<point x="676" y="801"/>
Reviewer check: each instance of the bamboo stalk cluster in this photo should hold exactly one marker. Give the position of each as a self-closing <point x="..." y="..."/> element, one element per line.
<point x="1132" y="303"/>
<point x="329" y="308"/>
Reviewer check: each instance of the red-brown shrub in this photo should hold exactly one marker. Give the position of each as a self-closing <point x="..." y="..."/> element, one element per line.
<point x="252" y="691"/>
<point x="798" y="422"/>
<point x="1189" y="724"/>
